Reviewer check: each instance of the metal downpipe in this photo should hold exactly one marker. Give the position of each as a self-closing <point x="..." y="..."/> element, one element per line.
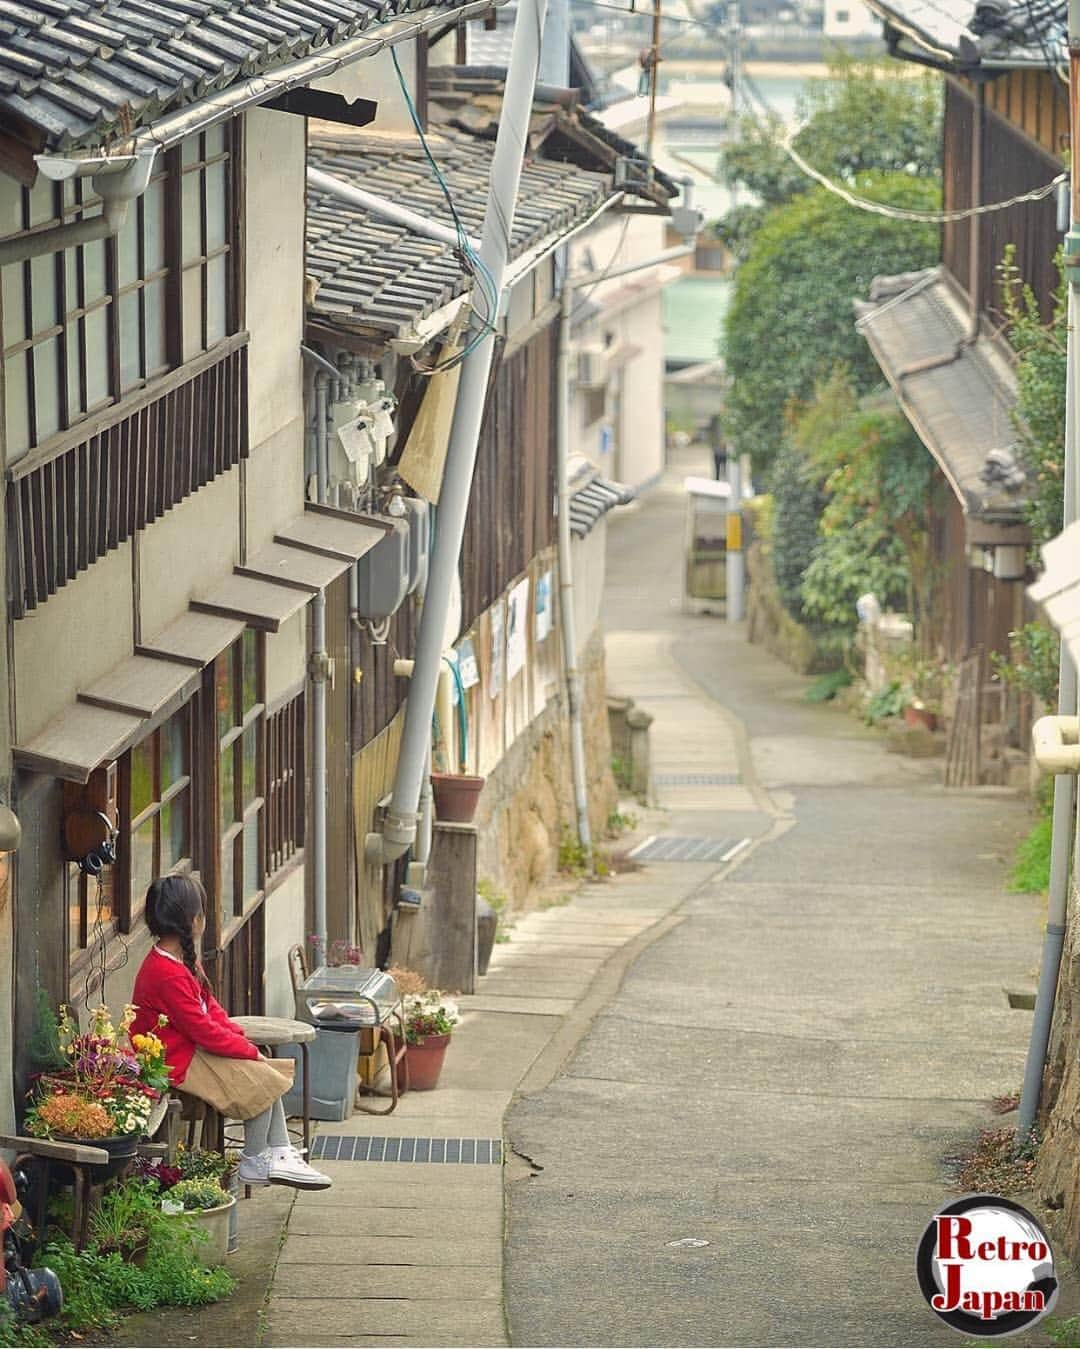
<point x="568" y="628"/>
<point x="318" y="672"/>
<point x="400" y="827"/>
<point x="1064" y="786"/>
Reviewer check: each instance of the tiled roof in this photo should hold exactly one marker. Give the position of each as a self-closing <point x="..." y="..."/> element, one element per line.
<point x="75" y="72"/>
<point x="592" y="496"/>
<point x="379" y="275"/>
<point x="959" y="396"/>
<point x="967" y="34"/>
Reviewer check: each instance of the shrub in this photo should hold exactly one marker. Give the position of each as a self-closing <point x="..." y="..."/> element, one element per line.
<point x="199" y="1193"/>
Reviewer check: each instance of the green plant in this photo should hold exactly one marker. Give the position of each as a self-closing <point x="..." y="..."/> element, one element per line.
<point x="1032" y="664"/>
<point x="1030" y="874"/>
<point x="14" y="1334"/>
<point x="1063" y="1330"/>
<point x="620" y="822"/>
<point x="1039" y="414"/>
<point x="500" y="903"/>
<point x="620" y="771"/>
<point x="573" y="857"/>
<point x="430" y="1013"/>
<point x="202" y="1164"/>
<point x="123" y="1217"/>
<point x="828" y="685"/>
<point x="887" y="702"/>
<point x="797" y="505"/>
<point x="804" y="265"/>
<point x="198" y="1193"/>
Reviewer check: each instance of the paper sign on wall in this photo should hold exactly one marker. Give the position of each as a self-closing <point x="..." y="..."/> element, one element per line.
<point x="467" y="667"/>
<point x="517" y="607"/>
<point x="542" y="607"/>
<point x="497" y="650"/>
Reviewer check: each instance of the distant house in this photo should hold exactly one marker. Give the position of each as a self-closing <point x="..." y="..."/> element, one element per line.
<point x="849" y="20"/>
<point x="937" y="335"/>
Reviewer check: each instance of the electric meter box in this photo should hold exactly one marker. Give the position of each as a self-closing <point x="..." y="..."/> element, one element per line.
<point x="383" y="575"/>
<point x="419" y="518"/>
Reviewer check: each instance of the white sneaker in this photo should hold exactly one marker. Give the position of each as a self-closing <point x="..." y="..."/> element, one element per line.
<point x="254" y="1170"/>
<point x="287" y="1167"/>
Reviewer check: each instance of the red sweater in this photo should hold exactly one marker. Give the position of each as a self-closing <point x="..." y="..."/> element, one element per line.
<point x="196" y="1020"/>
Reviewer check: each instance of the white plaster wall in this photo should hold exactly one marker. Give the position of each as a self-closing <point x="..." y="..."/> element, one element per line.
<point x="188" y="550"/>
<point x="71" y="640"/>
<point x="274" y="242"/>
<point x="639" y="436"/>
<point x="588" y="560"/>
<point x="286" y="656"/>
<point x="285" y="927"/>
<point x="850" y="18"/>
<point x="375" y="78"/>
<point x="275" y="483"/>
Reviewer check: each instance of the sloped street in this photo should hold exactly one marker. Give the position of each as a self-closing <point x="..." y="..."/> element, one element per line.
<point x="747" y="1143"/>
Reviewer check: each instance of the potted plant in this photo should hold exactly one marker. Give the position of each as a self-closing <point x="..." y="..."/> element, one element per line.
<point x="430" y="1018"/>
<point x="456" y="796"/>
<point x="122" y="1219"/>
<point x="203" y="1200"/>
<point x="109" y="1089"/>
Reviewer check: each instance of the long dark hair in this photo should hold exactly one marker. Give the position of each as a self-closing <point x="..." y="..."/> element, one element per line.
<point x="172" y="905"/>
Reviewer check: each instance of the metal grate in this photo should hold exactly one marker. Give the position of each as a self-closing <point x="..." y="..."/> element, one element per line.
<point x="695" y="779"/>
<point x="354" y="1148"/>
<point x="667" y="849"/>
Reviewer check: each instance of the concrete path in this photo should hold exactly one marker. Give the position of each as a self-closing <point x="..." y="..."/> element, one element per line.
<point x="748" y="1140"/>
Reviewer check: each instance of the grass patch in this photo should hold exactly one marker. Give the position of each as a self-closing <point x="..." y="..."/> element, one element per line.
<point x="825" y="688"/>
<point x="1030" y="874"/>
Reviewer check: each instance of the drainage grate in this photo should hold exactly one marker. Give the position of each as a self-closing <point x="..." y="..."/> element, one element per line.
<point x="353" y="1148"/>
<point x="696" y="779"/>
<point x="660" y="848"/>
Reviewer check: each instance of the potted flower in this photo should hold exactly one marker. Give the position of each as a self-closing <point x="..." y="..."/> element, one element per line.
<point x="430" y="1017"/>
<point x="109" y="1090"/>
<point x="922" y="694"/>
<point x="203" y="1200"/>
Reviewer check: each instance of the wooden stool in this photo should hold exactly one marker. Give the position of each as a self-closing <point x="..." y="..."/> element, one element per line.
<point x="270" y="1032"/>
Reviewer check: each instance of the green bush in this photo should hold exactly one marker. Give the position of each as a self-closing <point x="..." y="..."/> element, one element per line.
<point x="1030" y="873"/>
<point x="797" y="505"/>
<point x="198" y="1193"/>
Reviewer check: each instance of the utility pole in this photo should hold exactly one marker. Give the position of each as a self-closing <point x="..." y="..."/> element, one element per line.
<point x="654" y="74"/>
<point x="1064" y="784"/>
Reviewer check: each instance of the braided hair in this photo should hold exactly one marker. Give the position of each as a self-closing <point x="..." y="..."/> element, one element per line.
<point x="172" y="905"/>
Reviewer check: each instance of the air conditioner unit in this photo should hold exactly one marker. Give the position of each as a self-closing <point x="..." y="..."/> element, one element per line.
<point x="592" y="368"/>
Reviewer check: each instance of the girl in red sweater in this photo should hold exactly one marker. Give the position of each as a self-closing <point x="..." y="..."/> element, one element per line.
<point x="209" y="1055"/>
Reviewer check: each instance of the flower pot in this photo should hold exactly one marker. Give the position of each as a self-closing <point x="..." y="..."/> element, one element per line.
<point x="456" y="795"/>
<point x="215" y="1223"/>
<point x="121" y="1150"/>
<point x="425" y="1062"/>
<point x="920" y="716"/>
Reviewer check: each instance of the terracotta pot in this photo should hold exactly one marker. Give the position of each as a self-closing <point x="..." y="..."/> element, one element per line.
<point x="425" y="1062"/>
<point x="456" y="795"/>
<point x="920" y="716"/>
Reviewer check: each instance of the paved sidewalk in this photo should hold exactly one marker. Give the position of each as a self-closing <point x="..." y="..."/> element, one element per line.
<point x="410" y="1253"/>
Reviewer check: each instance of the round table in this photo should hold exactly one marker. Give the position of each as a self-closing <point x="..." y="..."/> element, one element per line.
<point x="269" y="1032"/>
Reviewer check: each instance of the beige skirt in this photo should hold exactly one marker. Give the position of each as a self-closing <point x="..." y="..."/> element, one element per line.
<point x="239" y="1088"/>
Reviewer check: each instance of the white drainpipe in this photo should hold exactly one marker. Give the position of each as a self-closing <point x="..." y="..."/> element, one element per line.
<point x="399" y="829"/>
<point x="118" y="182"/>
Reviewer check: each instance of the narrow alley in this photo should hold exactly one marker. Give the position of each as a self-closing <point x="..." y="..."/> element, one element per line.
<point x="747" y="1143"/>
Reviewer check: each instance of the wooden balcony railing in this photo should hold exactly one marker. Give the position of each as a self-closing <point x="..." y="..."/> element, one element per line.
<point x="71" y="501"/>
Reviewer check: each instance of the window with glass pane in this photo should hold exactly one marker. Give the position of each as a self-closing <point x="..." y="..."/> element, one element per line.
<point x="159" y="804"/>
<point x="84" y="327"/>
<point x="240" y="716"/>
<point x="205" y="234"/>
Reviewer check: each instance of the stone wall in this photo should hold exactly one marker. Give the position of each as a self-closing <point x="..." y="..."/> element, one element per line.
<point x="770" y="625"/>
<point x="527" y="803"/>
<point x="1057" y="1174"/>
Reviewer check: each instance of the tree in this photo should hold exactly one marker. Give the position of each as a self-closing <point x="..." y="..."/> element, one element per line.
<point x="790" y="322"/>
<point x="878" y="479"/>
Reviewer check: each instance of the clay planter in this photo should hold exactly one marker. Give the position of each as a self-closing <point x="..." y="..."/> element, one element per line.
<point x="425" y="1061"/>
<point x="456" y="795"/>
<point x="920" y="716"/>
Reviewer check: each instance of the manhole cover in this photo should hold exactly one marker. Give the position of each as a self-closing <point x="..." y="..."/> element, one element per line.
<point x="662" y="848"/>
<point x="356" y="1148"/>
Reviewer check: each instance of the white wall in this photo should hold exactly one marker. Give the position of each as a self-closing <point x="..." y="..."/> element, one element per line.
<point x="375" y="78"/>
<point x="850" y="19"/>
<point x="627" y="441"/>
<point x="274" y="243"/>
<point x="284" y="928"/>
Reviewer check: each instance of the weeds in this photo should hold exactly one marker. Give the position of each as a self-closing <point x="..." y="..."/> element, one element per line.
<point x="1030" y="874"/>
<point x="574" y="858"/>
<point x="619" y="822"/>
<point x="1063" y="1330"/>
<point x="825" y="688"/>
<point x="500" y="903"/>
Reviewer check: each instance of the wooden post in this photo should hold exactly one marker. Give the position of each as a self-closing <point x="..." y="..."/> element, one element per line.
<point x="438" y="940"/>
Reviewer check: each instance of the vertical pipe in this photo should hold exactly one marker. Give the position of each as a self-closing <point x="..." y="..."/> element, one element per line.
<point x="1064" y="785"/>
<point x="318" y="673"/>
<point x="975" y="224"/>
<point x="555" y="52"/>
<point x="733" y="556"/>
<point x="399" y="830"/>
<point x="568" y="626"/>
<point x="654" y="79"/>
